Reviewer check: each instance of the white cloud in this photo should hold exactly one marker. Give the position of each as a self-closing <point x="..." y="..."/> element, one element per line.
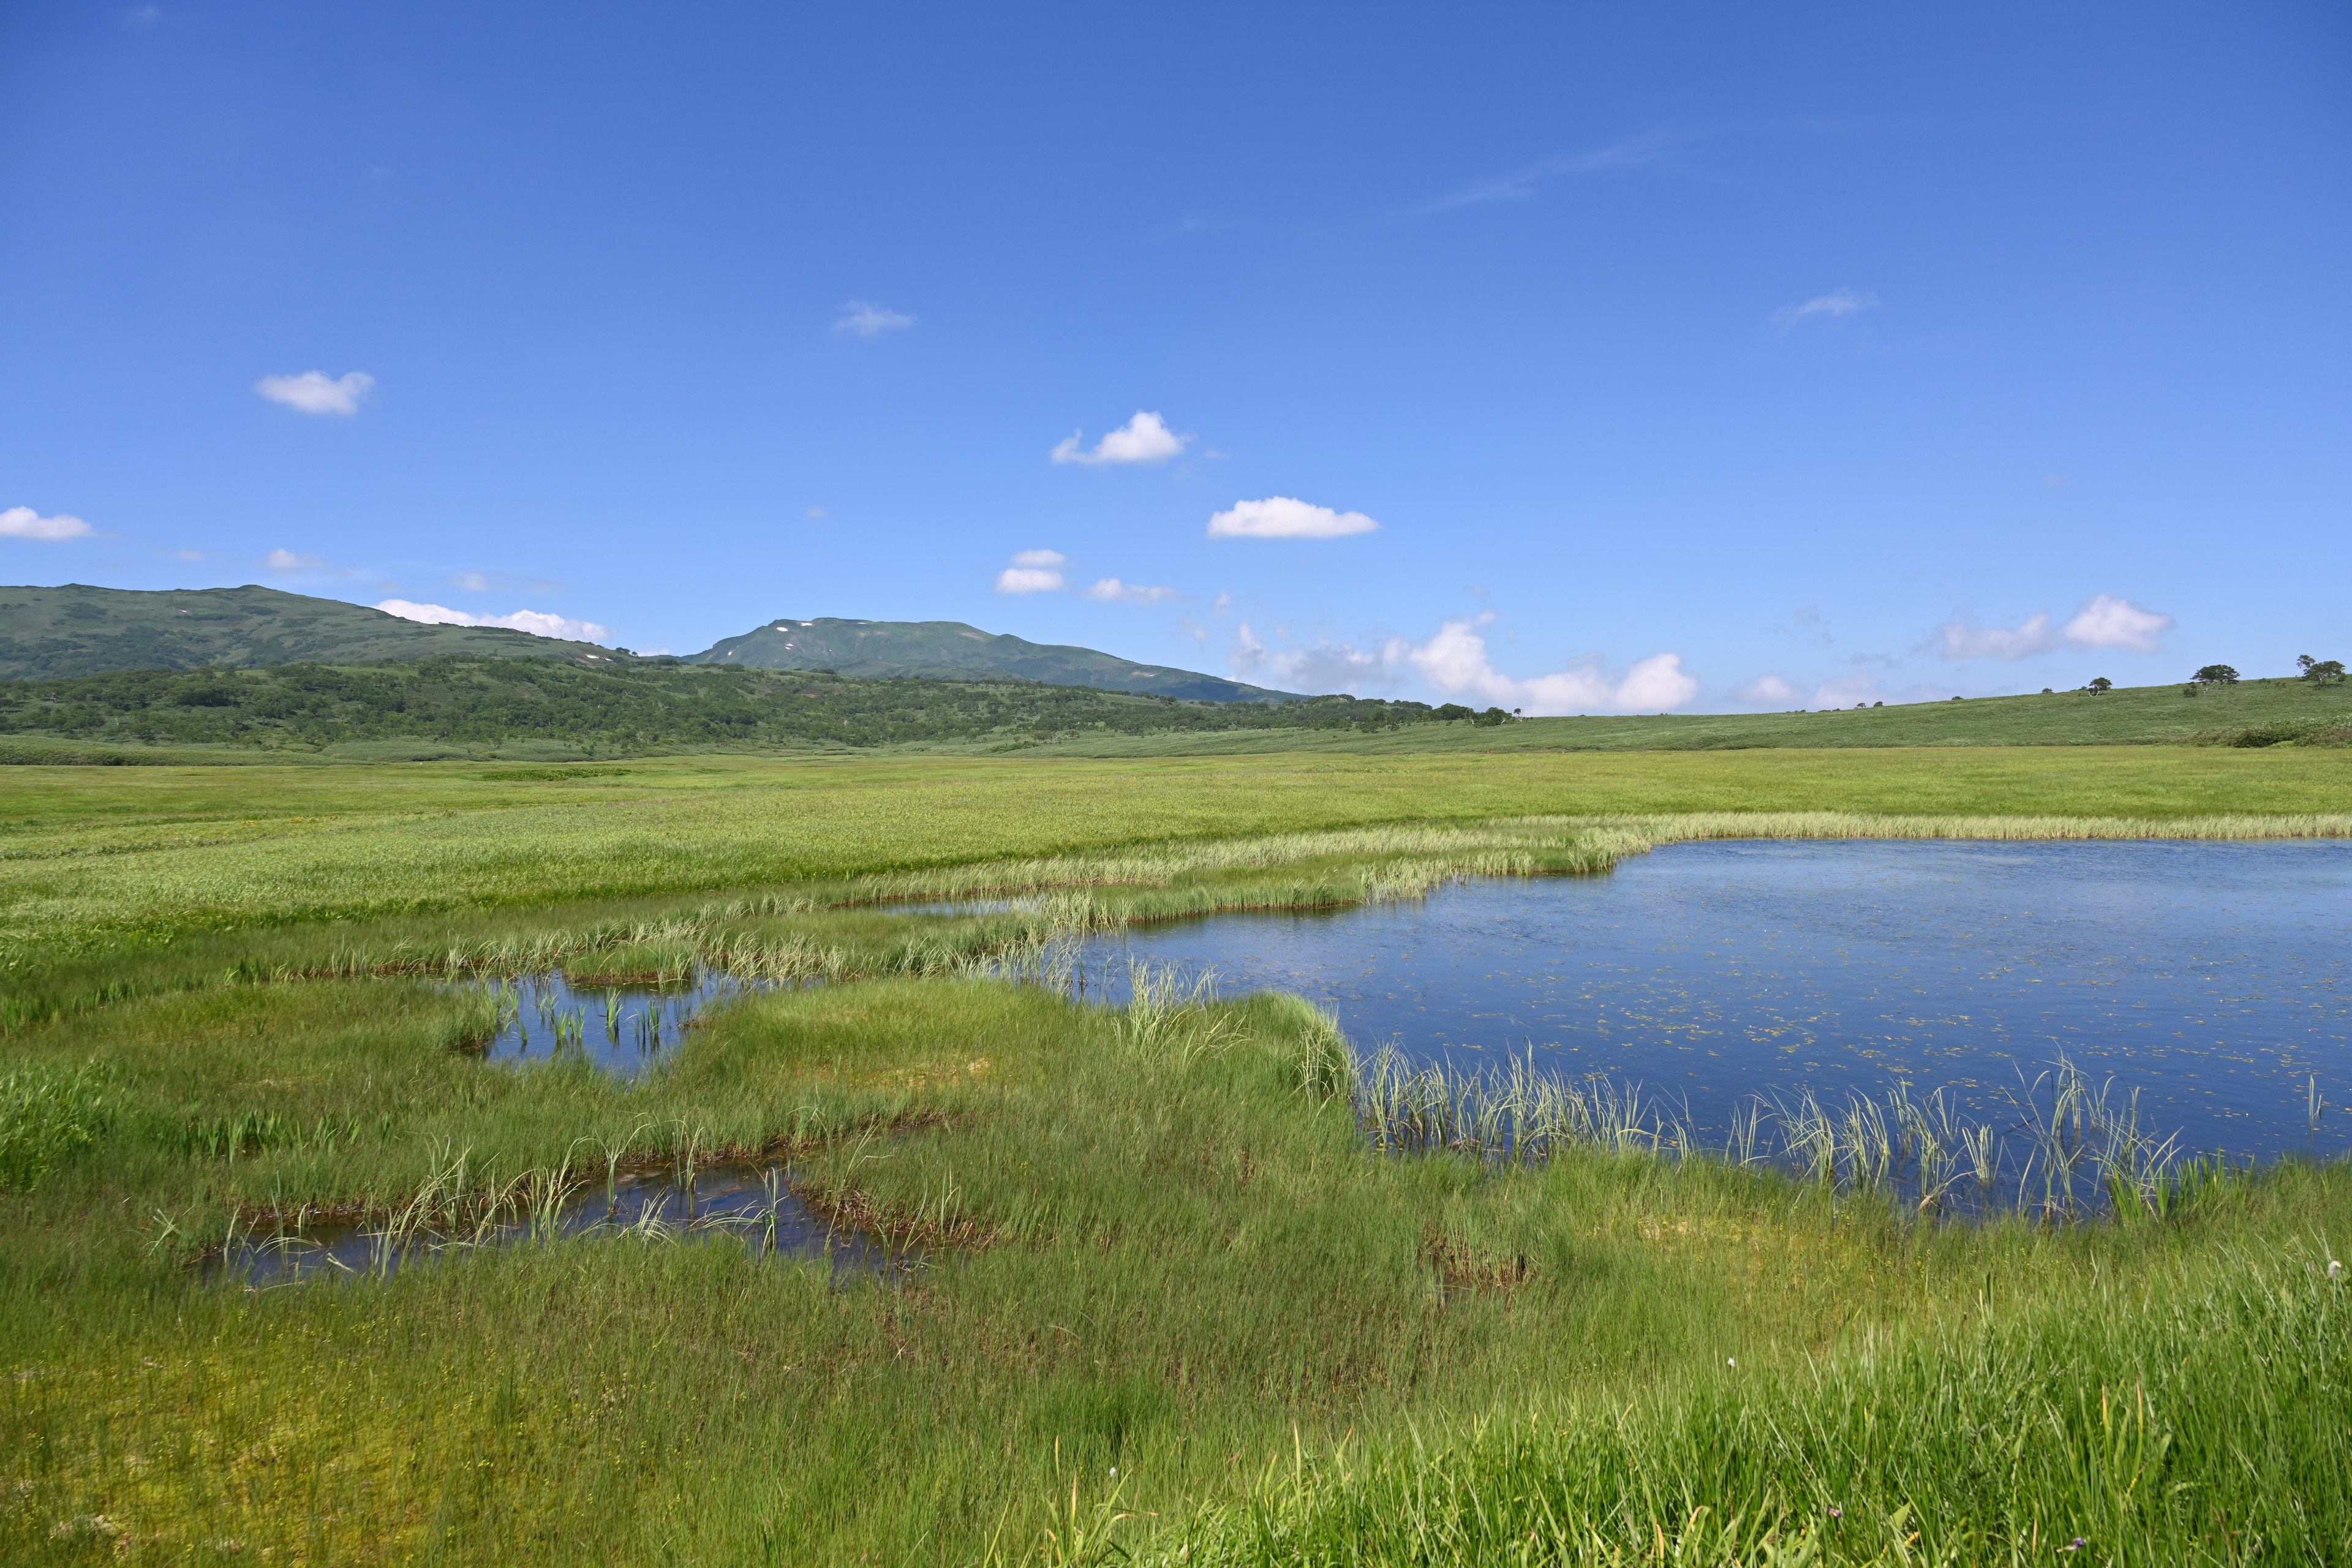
<point x="1828" y="306"/>
<point x="1145" y="438"/>
<point x="313" y="392"/>
<point x="2109" y="622"/>
<point x="2031" y="636"/>
<point x="2103" y="622"/>
<point x="868" y="320"/>
<point x="1033" y="572"/>
<point x="538" y="623"/>
<point x="1224" y="603"/>
<point x="1248" y="651"/>
<point x="1454" y="662"/>
<point x="1280" y="517"/>
<point x="24" y="522"/>
<point x="291" y="561"/>
<point x="1772" y="691"/>
<point x="1111" y="591"/>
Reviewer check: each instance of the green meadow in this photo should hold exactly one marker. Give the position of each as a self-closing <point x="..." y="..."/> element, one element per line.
<point x="1164" y="1297"/>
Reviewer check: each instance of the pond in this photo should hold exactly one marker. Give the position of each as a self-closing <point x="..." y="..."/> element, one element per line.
<point x="621" y="1029"/>
<point x="749" y="1202"/>
<point x="2209" y="976"/>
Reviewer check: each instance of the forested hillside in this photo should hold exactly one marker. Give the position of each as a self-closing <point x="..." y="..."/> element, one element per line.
<point x="639" y="707"/>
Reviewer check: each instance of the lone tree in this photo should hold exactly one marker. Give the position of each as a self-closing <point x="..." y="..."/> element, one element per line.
<point x="2324" y="671"/>
<point x="2216" y="675"/>
<point x="2100" y="686"/>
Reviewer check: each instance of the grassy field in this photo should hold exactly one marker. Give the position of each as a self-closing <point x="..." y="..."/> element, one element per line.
<point x="546" y="712"/>
<point x="1172" y="1304"/>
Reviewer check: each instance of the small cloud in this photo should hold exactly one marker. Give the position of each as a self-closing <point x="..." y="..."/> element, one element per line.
<point x="24" y="522"/>
<point x="2031" y="636"/>
<point x="1187" y="626"/>
<point x="1772" y="691"/>
<point x="1455" y="662"/>
<point x="313" y="392"/>
<point x="1224" y="603"/>
<point x="1046" y="559"/>
<point x="868" y="320"/>
<point x="816" y="511"/>
<point x="1281" y="517"/>
<point x="536" y="622"/>
<point x="2103" y="621"/>
<point x="187" y="555"/>
<point x="1111" y="591"/>
<point x="1145" y="438"/>
<point x="472" y="582"/>
<point x="1249" y="652"/>
<point x="2109" y="622"/>
<point x="1829" y="307"/>
<point x="143" y="16"/>
<point x="291" y="561"/>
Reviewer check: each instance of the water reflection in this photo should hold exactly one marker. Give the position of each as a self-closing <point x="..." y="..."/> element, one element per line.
<point x="622" y="1029"/>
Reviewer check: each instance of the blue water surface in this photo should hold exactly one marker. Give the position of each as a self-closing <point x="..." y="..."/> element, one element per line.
<point x="2212" y="976"/>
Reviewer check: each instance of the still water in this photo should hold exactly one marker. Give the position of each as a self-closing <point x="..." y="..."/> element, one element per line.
<point x="2211" y="976"/>
<point x="748" y="1202"/>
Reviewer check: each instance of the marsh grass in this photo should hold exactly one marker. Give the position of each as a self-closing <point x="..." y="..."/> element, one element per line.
<point x="1166" y="1240"/>
<point x="1160" y="1242"/>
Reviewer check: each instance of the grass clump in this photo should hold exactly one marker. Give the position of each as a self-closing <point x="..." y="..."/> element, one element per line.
<point x="48" y="1114"/>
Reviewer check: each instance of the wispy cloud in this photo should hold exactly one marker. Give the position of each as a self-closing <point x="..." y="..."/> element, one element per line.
<point x="1644" y="151"/>
<point x="536" y="622"/>
<point x="292" y="560"/>
<point x="864" y="319"/>
<point x="1282" y="517"/>
<point x="1825" y="307"/>
<point x="24" y="522"/>
<point x="1111" y="591"/>
<point x="1145" y="438"/>
<point x="315" y="392"/>
<point x="1772" y="691"/>
<point x="2103" y="621"/>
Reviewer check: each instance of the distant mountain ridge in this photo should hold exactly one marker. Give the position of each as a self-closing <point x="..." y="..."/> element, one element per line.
<point x="75" y="629"/>
<point x="954" y="651"/>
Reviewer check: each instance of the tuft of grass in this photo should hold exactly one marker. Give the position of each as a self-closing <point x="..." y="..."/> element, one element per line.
<point x="48" y="1114"/>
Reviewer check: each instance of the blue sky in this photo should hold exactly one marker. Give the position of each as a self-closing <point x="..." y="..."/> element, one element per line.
<point x="1572" y="358"/>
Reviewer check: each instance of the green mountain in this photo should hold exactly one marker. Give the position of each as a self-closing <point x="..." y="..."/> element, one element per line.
<point x="78" y="630"/>
<point x="951" y="650"/>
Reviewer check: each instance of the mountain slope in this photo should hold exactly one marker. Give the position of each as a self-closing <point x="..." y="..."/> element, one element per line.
<point x="77" y="630"/>
<point x="952" y="650"/>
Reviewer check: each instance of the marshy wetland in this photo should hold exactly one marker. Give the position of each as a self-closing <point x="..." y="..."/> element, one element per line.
<point x="1043" y="1275"/>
